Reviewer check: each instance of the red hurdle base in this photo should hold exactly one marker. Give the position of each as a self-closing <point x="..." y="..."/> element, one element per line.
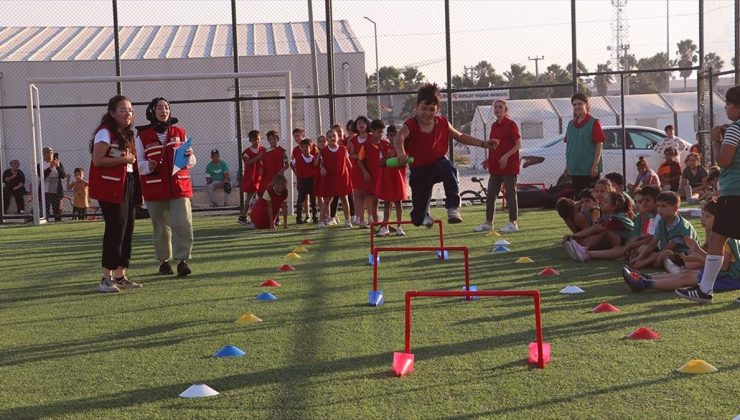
<point x="402" y="222"/>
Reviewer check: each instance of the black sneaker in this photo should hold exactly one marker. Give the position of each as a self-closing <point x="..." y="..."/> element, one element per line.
<point x="242" y="220"/>
<point x="183" y="269"/>
<point x="694" y="294"/>
<point x="299" y="221"/>
<point x="635" y="282"/>
<point x="165" y="269"/>
<point x="315" y="220"/>
<point x="126" y="283"/>
<point x="106" y="285"/>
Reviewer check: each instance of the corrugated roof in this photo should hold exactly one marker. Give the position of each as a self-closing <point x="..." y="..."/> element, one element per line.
<point x="169" y="41"/>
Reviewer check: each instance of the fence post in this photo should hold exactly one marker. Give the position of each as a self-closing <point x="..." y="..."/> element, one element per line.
<point x="237" y="101"/>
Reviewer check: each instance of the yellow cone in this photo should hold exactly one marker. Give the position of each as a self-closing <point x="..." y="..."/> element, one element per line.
<point x="697" y="366"/>
<point x="248" y="318"/>
<point x="524" y="260"/>
<point x="493" y="233"/>
<point x="300" y="249"/>
<point x="294" y="256"/>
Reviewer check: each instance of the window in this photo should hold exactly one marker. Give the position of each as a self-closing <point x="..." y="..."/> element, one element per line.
<point x="613" y="139"/>
<point x="643" y="139"/>
<point x="532" y="130"/>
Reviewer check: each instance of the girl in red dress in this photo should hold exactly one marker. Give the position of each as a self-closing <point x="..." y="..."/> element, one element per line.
<point x="390" y="187"/>
<point x="252" y="159"/>
<point x="360" y="183"/>
<point x="369" y="163"/>
<point x="265" y="211"/>
<point x="334" y="178"/>
<point x="275" y="160"/>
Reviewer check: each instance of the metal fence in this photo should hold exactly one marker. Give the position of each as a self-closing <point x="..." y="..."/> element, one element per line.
<point x="337" y="78"/>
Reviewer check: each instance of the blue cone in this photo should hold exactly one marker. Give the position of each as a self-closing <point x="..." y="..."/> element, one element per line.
<point x="443" y="255"/>
<point x="370" y="259"/>
<point x="375" y="298"/>
<point x="266" y="297"/>
<point x="501" y="248"/>
<point x="229" y="351"/>
<point x="473" y="288"/>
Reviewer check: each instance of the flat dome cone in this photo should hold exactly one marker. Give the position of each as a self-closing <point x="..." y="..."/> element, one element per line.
<point x="307" y="242"/>
<point x="570" y="290"/>
<point x="229" y="351"/>
<point x="493" y="233"/>
<point x="248" y="318"/>
<point x="502" y="242"/>
<point x="604" y="307"/>
<point x="501" y="248"/>
<point x="300" y="249"/>
<point x="270" y="283"/>
<point x="697" y="366"/>
<point x="294" y="256"/>
<point x="267" y="297"/>
<point x="643" y="333"/>
<point x="523" y="260"/>
<point x="199" y="391"/>
<point x="548" y="271"/>
<point x="286" y="267"/>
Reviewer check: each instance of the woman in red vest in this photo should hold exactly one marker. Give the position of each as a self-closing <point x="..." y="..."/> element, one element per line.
<point x="112" y="182"/>
<point x="167" y="195"/>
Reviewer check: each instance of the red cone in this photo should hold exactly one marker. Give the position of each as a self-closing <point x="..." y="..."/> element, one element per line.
<point x="286" y="267"/>
<point x="605" y="307"/>
<point x="307" y="242"/>
<point x="644" y="333"/>
<point x="270" y="283"/>
<point x="548" y="271"/>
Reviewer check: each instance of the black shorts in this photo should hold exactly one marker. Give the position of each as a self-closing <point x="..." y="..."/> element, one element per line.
<point x="727" y="219"/>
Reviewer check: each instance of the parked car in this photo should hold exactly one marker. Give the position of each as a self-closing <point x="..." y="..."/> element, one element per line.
<point x="545" y="164"/>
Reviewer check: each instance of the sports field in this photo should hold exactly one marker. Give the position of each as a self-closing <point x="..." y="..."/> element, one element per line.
<point x="322" y="352"/>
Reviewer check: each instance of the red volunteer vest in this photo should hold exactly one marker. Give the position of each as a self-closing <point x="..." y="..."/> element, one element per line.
<point x="305" y="169"/>
<point x="108" y="184"/>
<point x="161" y="184"/>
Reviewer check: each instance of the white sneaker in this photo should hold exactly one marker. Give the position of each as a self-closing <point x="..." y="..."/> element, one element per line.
<point x="399" y="231"/>
<point x="509" y="227"/>
<point x="428" y="221"/>
<point x="384" y="231"/>
<point x="581" y="252"/>
<point x="354" y="220"/>
<point x="454" y="216"/>
<point x="106" y="285"/>
<point x="570" y="250"/>
<point x="671" y="267"/>
<point x="483" y="227"/>
<point x="322" y="225"/>
<point x="363" y="225"/>
<point x="348" y="223"/>
<point x="333" y="222"/>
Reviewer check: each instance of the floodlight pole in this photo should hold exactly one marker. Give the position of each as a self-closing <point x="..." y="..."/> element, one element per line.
<point x="237" y="102"/>
<point x="314" y="66"/>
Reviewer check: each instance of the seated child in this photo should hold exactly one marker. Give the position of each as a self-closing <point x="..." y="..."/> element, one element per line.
<point x="669" y="171"/>
<point x="645" y="176"/>
<point x="669" y="235"/>
<point x="710" y="186"/>
<point x="618" y="182"/>
<point x="265" y="211"/>
<point x="729" y="276"/>
<point x="570" y="211"/>
<point x="612" y="231"/>
<point x="692" y="179"/>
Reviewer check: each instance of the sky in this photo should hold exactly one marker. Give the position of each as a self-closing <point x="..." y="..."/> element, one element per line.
<point x="412" y="31"/>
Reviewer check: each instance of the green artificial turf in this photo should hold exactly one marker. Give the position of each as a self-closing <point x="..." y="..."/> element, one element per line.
<point x="321" y="352"/>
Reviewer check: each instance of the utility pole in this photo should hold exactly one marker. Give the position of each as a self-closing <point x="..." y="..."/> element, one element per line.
<point x="536" y="60"/>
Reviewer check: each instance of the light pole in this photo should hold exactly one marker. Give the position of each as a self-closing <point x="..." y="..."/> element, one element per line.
<point x="536" y="60"/>
<point x="377" y="68"/>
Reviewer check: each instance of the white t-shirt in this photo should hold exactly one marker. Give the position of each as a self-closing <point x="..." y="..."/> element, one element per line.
<point x="103" y="136"/>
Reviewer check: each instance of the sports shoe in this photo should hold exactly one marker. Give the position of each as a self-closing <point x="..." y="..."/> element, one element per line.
<point x="580" y="251"/>
<point x="107" y="286"/>
<point x="322" y="225"/>
<point x="333" y="222"/>
<point x="165" y="269"/>
<point x="242" y="220"/>
<point x="348" y="224"/>
<point x="299" y="221"/>
<point x="354" y="220"/>
<point x="671" y="267"/>
<point x="694" y="294"/>
<point x="509" y="227"/>
<point x="737" y="300"/>
<point x="454" y="216"/>
<point x="183" y="269"/>
<point x="428" y="221"/>
<point x="483" y="227"/>
<point x="126" y="283"/>
<point x="363" y="225"/>
<point x="399" y="231"/>
<point x="634" y="281"/>
<point x="315" y="220"/>
<point x="383" y="231"/>
<point x="570" y="250"/>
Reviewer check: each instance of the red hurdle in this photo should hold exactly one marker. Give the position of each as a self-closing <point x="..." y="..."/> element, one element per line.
<point x="464" y="249"/>
<point x="542" y="348"/>
<point x="403" y="222"/>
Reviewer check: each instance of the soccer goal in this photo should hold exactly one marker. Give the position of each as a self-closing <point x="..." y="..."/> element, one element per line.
<point x="141" y="89"/>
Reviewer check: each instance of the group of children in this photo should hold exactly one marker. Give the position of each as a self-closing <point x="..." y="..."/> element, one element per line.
<point x="348" y="168"/>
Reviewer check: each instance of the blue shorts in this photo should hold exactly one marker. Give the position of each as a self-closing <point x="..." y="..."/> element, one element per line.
<point x="725" y="282"/>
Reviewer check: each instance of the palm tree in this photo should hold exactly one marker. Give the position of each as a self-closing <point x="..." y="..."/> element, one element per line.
<point x="713" y="61"/>
<point x="603" y="81"/>
<point x="686" y="58"/>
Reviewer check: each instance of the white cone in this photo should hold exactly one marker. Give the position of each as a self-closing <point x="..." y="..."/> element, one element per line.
<point x="199" y="391"/>
<point x="569" y="290"/>
<point x="502" y="242"/>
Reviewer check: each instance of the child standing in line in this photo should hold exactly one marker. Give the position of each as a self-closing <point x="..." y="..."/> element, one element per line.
<point x="360" y="179"/>
<point x="669" y="171"/>
<point x="334" y="178"/>
<point x="369" y="163"/>
<point x="265" y="212"/>
<point x="252" y="163"/>
<point x="275" y="160"/>
<point x="390" y="187"/>
<point x="80" y="202"/>
<point x="305" y="169"/>
<point x="670" y="232"/>
<point x="613" y="231"/>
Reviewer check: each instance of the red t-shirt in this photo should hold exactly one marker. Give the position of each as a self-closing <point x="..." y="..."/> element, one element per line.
<point x="304" y="168"/>
<point x="427" y="148"/>
<point x="508" y="133"/>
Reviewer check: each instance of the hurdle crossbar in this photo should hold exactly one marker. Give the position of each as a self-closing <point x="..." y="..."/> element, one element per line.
<point x="403" y="222"/>
<point x="534" y="294"/>
<point x="378" y="250"/>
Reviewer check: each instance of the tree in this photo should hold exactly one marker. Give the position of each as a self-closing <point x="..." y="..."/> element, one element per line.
<point x="391" y="80"/>
<point x="713" y="61"/>
<point x="687" y="57"/>
<point x="653" y="82"/>
<point x="603" y="81"/>
<point x="412" y="77"/>
<point x="481" y="75"/>
<point x="582" y="87"/>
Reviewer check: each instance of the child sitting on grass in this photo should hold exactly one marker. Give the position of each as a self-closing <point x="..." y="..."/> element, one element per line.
<point x="265" y="211"/>
<point x="670" y="171"/>
<point x="613" y="231"/>
<point x="572" y="213"/>
<point x="728" y="278"/>
<point x="669" y="234"/>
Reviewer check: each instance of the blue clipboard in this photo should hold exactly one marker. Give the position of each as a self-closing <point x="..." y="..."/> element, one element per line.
<point x="180" y="160"/>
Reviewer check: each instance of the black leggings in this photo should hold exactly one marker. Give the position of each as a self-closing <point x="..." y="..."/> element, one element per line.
<point x="335" y="203"/>
<point x="119" y="228"/>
